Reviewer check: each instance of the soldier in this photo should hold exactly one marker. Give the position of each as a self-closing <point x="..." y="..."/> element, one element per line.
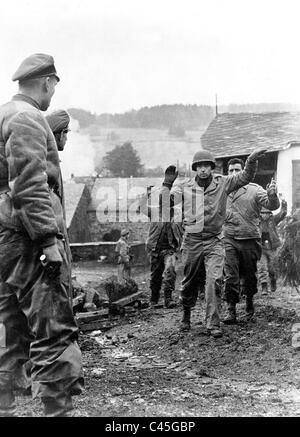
<point x="35" y="300"/>
<point x="123" y="253"/>
<point x="270" y="244"/>
<point x="59" y="123"/>
<point x="204" y="205"/>
<point x="164" y="239"/>
<point x="242" y="238"/>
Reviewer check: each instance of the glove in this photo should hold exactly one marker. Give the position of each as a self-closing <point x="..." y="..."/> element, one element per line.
<point x="272" y="188"/>
<point x="51" y="261"/>
<point x="170" y="175"/>
<point x="256" y="154"/>
<point x="52" y="254"/>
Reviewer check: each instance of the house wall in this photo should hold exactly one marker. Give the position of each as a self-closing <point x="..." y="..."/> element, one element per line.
<point x="138" y="230"/>
<point x="78" y="231"/>
<point x="284" y="174"/>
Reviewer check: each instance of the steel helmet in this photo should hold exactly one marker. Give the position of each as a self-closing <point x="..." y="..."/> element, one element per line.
<point x="203" y="156"/>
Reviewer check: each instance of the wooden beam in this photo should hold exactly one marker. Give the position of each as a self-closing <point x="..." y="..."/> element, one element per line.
<point x="91" y="316"/>
<point x="127" y="299"/>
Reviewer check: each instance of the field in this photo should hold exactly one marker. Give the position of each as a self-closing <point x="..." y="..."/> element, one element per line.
<point x="154" y="146"/>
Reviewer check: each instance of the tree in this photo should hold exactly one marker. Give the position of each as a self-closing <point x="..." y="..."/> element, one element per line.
<point x="123" y="161"/>
<point x="85" y="118"/>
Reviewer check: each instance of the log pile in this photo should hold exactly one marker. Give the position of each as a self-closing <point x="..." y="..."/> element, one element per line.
<point x="93" y="313"/>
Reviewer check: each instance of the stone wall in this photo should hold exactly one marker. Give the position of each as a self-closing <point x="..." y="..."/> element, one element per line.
<point x="95" y="250"/>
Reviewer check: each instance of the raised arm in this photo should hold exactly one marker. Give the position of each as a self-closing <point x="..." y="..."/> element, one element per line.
<point x="268" y="198"/>
<point x="158" y="203"/>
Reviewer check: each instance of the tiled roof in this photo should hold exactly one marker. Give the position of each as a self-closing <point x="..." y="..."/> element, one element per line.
<point x="239" y="134"/>
<point x="73" y="193"/>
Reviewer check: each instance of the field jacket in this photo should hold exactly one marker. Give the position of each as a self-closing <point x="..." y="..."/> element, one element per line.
<point x="155" y="232"/>
<point x="29" y="172"/>
<point x="243" y="211"/>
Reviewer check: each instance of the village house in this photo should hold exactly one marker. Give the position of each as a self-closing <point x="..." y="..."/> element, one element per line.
<point x="96" y="213"/>
<point x="237" y="135"/>
<point x="114" y="206"/>
<point x="77" y="200"/>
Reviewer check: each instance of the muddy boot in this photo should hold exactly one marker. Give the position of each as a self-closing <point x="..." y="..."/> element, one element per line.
<point x="264" y="288"/>
<point x="249" y="310"/>
<point x="230" y="316"/>
<point x="273" y="285"/>
<point x="169" y="302"/>
<point x="58" y="407"/>
<point x="154" y="299"/>
<point x="7" y="405"/>
<point x="186" y="320"/>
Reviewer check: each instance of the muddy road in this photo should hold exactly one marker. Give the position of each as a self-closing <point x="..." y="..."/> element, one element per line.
<point x="145" y="366"/>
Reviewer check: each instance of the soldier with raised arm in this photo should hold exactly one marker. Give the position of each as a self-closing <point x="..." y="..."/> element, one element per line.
<point x="204" y="208"/>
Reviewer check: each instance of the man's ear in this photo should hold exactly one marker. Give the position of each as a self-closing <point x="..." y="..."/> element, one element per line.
<point x="46" y="83"/>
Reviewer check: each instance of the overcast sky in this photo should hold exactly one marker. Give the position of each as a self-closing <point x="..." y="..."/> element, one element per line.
<point x="117" y="55"/>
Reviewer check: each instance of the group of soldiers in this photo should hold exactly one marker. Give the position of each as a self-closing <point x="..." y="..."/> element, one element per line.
<point x="38" y="333"/>
<point x="231" y="232"/>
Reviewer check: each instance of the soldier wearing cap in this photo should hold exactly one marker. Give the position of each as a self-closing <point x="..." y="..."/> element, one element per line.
<point x="123" y="254"/>
<point x="270" y="244"/>
<point x="204" y="205"/>
<point x="59" y="123"/>
<point x="36" y="318"/>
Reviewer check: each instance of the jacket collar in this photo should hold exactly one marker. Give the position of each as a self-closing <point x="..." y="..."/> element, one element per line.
<point x="27" y="99"/>
<point x="212" y="186"/>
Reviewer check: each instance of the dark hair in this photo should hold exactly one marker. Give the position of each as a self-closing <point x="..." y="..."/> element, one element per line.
<point x="236" y="161"/>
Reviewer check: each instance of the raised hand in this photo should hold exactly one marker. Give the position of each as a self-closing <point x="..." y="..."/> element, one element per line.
<point x="257" y="153"/>
<point x="170" y="175"/>
<point x="272" y="188"/>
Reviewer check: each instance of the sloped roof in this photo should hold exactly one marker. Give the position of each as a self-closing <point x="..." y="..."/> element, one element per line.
<point x="120" y="187"/>
<point x="239" y="134"/>
<point x="73" y="193"/>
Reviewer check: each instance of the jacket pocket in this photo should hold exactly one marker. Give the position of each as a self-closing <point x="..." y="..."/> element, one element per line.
<point x="7" y="213"/>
